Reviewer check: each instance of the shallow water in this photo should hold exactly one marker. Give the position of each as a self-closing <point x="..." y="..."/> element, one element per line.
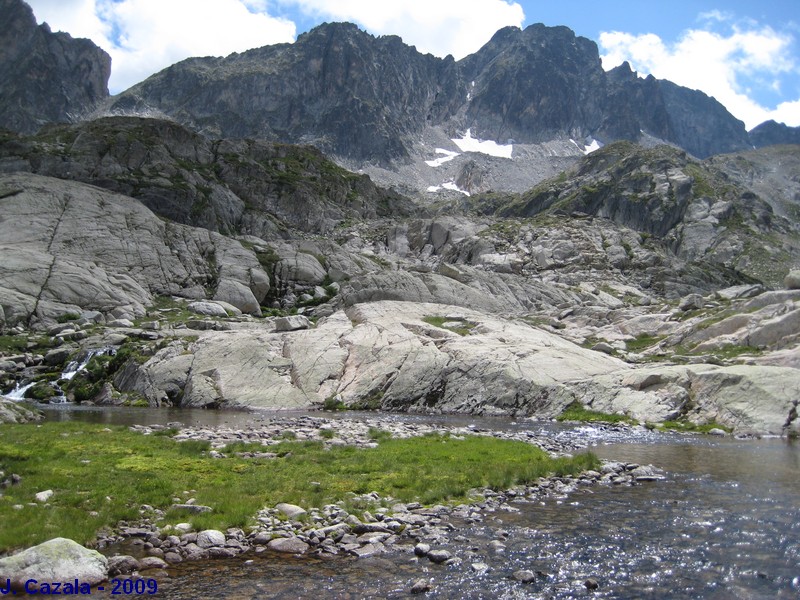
<point x="725" y="524"/>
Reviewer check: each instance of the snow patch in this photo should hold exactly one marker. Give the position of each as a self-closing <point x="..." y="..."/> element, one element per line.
<point x="471" y="144"/>
<point x="588" y="148"/>
<point x="450" y="185"/>
<point x="437" y="162"/>
<point x="447" y="185"/>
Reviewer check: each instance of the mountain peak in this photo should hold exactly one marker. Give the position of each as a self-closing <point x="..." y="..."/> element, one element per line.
<point x="47" y="77"/>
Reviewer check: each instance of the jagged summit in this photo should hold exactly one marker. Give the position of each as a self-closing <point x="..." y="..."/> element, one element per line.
<point x="46" y="77"/>
<point x="369" y="99"/>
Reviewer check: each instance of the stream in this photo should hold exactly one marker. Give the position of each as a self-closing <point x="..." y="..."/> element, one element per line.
<point x="725" y="524"/>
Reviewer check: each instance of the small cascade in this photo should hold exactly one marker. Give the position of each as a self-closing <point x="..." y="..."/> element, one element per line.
<point x="74" y="367"/>
<point x="18" y="393"/>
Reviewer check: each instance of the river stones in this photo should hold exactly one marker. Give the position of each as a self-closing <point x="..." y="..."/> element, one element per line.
<point x="209" y="538"/>
<point x="291" y="545"/>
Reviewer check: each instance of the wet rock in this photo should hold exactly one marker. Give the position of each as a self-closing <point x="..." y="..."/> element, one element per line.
<point x="591" y="584"/>
<point x="122" y="564"/>
<point x="439" y="556"/>
<point x="422" y="549"/>
<point x="479" y="567"/>
<point x="152" y="562"/>
<point x="367" y="550"/>
<point x="524" y="576"/>
<point x="420" y="586"/>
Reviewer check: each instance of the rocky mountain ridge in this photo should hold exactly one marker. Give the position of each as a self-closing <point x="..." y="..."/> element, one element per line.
<point x="368" y="99"/>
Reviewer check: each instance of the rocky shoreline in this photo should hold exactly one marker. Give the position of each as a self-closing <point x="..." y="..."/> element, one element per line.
<point x="360" y="526"/>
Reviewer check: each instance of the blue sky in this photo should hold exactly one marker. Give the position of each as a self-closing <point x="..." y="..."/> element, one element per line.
<point x="744" y="53"/>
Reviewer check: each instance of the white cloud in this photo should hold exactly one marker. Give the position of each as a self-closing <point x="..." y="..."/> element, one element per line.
<point x="719" y="65"/>
<point x="76" y="17"/>
<point x="145" y="36"/>
<point x="441" y="27"/>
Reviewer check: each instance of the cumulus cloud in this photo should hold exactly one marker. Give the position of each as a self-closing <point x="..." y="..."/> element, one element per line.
<point x="457" y="27"/>
<point x="145" y="36"/>
<point x="728" y="66"/>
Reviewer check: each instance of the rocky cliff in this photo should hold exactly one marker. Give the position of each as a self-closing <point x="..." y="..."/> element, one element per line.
<point x="231" y="186"/>
<point x="47" y="77"/>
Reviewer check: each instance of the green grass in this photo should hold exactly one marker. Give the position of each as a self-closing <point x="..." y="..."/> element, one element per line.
<point x="101" y="475"/>
<point x="463" y="328"/>
<point x="577" y="412"/>
<point x="686" y="426"/>
<point x="642" y="342"/>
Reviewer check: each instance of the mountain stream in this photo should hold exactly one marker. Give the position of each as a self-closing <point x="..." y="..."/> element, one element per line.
<point x="725" y="524"/>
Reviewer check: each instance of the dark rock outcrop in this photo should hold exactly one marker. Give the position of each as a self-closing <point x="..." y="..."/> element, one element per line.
<point x="47" y="77"/>
<point x="231" y="186"/>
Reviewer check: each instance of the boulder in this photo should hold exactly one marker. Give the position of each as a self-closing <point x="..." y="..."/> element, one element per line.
<point x="14" y="412"/>
<point x="209" y="309"/>
<point x="691" y="302"/>
<point x="291" y="545"/>
<point x="290" y="510"/>
<point x="210" y="538"/>
<point x="792" y="280"/>
<point x="292" y="323"/>
<point x="59" y="559"/>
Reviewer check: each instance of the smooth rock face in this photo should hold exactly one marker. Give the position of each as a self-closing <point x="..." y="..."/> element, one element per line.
<point x="500" y="366"/>
<point x="209" y="309"/>
<point x="82" y="248"/>
<point x="59" y="559"/>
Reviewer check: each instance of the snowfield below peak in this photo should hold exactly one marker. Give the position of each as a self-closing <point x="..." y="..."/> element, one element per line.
<point x="471" y="144"/>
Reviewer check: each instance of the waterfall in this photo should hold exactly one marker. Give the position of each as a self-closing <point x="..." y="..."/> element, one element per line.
<point x="73" y="368"/>
<point x="18" y="393"/>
